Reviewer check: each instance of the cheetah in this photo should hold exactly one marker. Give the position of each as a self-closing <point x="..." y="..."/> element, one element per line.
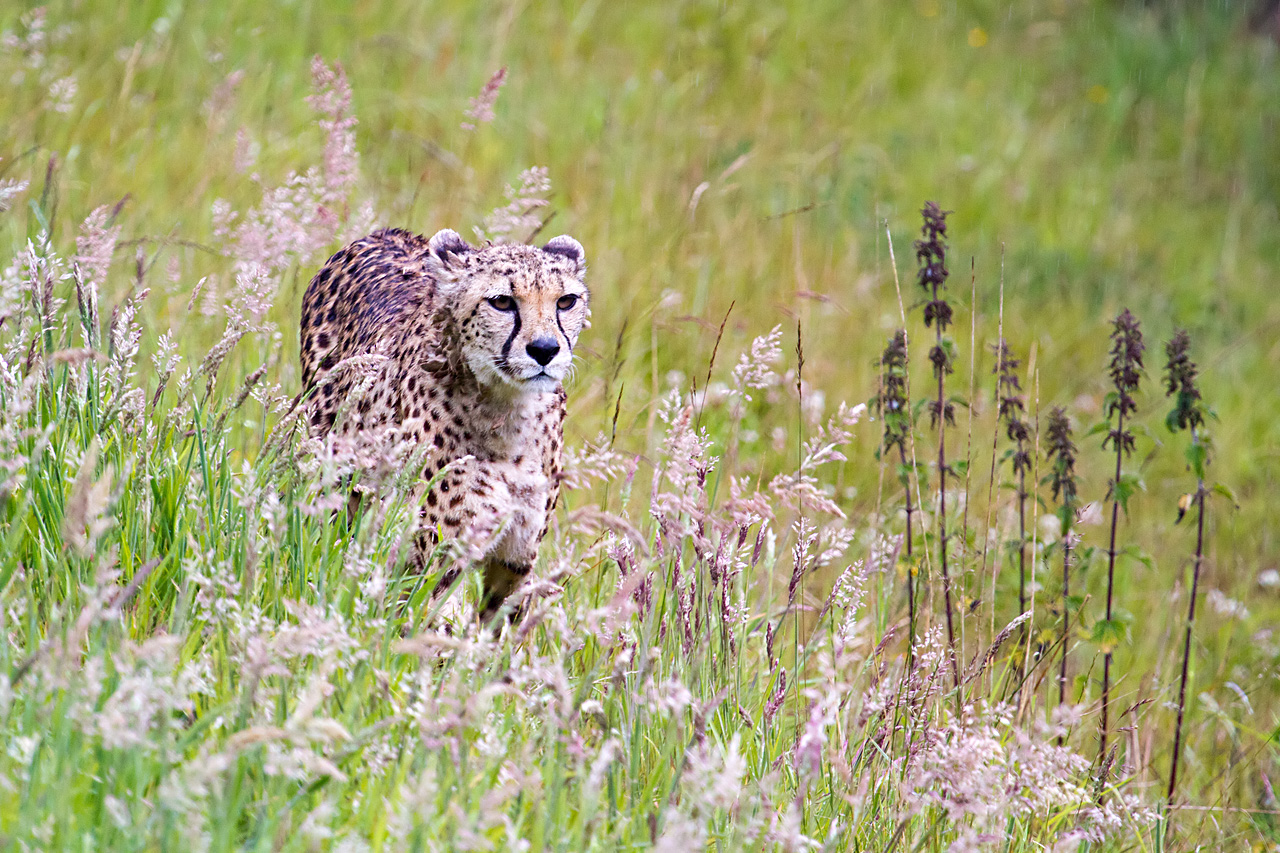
<point x="477" y="342"/>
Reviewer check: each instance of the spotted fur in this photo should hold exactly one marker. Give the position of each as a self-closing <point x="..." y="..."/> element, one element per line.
<point x="477" y="342"/>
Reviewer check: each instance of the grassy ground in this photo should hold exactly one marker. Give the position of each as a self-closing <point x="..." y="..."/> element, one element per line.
<point x="252" y="690"/>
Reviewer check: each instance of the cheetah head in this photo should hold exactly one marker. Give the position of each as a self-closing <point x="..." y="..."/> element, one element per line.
<point x="517" y="309"/>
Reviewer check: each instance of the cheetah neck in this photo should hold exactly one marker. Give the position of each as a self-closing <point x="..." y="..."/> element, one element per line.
<point x="501" y="427"/>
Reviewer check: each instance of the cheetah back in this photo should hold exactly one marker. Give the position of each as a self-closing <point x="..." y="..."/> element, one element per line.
<point x="367" y="291"/>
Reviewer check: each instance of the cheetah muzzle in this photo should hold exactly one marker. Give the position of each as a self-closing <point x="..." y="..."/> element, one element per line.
<point x="477" y="343"/>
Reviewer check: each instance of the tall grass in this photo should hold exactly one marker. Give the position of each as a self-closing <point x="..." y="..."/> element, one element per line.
<point x="208" y="652"/>
<point x="204" y="649"/>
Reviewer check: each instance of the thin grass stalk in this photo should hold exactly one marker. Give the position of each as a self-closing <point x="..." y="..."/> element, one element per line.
<point x="894" y="406"/>
<point x="1188" y="413"/>
<point x="942" y="525"/>
<point x="1111" y="578"/>
<point x="1186" y="649"/>
<point x="1066" y="618"/>
<point x="968" y="441"/>
<point x="1035" y="509"/>
<point x="995" y="443"/>
<point x="1022" y="542"/>
<point x="906" y="350"/>
<point x="800" y="503"/>
<point x="911" y="566"/>
<point x="1011" y="410"/>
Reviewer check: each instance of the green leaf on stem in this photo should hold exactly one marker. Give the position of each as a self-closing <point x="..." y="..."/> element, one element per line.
<point x="1107" y="634"/>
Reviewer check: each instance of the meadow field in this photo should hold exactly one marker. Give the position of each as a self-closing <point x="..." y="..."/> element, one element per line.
<point x="770" y="614"/>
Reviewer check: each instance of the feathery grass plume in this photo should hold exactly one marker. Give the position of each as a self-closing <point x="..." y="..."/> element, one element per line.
<point x="893" y="406"/>
<point x="518" y="220"/>
<point x="1125" y="371"/>
<point x="1188" y="413"/>
<point x="86" y="516"/>
<point x="1062" y="479"/>
<point x="331" y="99"/>
<point x="1011" y="409"/>
<point x="306" y="212"/>
<point x="931" y="253"/>
<point x="481" y="109"/>
<point x="95" y="245"/>
<point x="9" y="190"/>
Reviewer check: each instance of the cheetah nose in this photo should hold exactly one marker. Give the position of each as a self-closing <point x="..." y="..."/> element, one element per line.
<point x="542" y="350"/>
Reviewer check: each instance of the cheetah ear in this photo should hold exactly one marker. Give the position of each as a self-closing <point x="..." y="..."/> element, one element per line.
<point x="448" y="243"/>
<point x="570" y="248"/>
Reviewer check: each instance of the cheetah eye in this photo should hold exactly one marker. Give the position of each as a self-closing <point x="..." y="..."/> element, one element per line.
<point x="564" y="303"/>
<point x="502" y="303"/>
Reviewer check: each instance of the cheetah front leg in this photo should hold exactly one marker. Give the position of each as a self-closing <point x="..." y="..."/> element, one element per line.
<point x="528" y="498"/>
<point x="500" y="580"/>
<point x="495" y="514"/>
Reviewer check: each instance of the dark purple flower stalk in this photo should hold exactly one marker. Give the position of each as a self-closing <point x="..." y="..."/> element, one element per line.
<point x="1188" y="413"/>
<point x="1062" y="479"/>
<point x="931" y="253"/>
<point x="1125" y="371"/>
<point x="893" y="406"/>
<point x="1011" y="410"/>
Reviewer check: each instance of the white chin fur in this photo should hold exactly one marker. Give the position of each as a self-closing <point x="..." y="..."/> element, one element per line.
<point x="537" y="380"/>
<point x="541" y="382"/>
<point x="526" y="370"/>
<point x="490" y="376"/>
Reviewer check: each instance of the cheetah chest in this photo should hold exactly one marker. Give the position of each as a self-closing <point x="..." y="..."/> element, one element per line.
<point x="500" y="485"/>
